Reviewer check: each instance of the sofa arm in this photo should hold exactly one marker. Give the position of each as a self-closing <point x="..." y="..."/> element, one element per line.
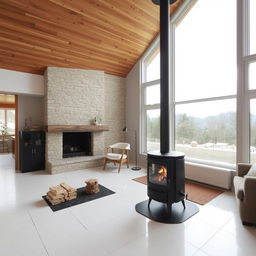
<point x="240" y="195"/>
<point x="242" y="169"/>
<point x="250" y="189"/>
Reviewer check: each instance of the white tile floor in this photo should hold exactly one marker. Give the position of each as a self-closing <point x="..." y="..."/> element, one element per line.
<point x="110" y="225"/>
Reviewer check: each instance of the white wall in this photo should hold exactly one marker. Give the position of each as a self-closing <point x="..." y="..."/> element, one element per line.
<point x="30" y="89"/>
<point x="30" y="106"/>
<point x="21" y="83"/>
<point x="132" y="108"/>
<point x="114" y="108"/>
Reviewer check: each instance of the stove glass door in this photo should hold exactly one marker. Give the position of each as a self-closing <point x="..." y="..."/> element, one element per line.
<point x="157" y="173"/>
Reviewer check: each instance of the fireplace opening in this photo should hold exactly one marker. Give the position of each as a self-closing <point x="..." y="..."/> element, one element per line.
<point x="77" y="144"/>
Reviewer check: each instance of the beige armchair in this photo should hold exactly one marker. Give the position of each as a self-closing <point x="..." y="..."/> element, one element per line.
<point x="245" y="190"/>
<point x="117" y="153"/>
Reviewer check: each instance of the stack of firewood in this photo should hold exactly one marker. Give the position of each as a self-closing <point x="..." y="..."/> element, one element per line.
<point x="71" y="192"/>
<point x="92" y="186"/>
<point x="61" y="193"/>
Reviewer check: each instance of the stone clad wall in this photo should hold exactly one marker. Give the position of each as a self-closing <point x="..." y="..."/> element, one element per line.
<point x="75" y="97"/>
<point x="114" y="108"/>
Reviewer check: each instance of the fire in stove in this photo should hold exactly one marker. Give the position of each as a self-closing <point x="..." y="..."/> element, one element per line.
<point x="161" y="174"/>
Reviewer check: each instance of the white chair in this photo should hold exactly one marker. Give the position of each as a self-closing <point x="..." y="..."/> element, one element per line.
<point x="117" y="153"/>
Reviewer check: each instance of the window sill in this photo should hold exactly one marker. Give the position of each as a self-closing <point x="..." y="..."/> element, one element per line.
<point x="205" y="162"/>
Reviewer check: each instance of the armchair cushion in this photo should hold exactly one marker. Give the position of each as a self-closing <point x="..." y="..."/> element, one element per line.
<point x="115" y="156"/>
<point x="118" y="154"/>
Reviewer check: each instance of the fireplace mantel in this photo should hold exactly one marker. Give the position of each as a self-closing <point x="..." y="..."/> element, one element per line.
<point x="76" y="128"/>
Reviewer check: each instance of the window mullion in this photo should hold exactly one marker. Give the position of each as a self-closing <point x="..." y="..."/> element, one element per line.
<point x="205" y="99"/>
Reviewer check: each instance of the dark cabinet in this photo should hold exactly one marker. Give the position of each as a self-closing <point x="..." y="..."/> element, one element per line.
<point x="32" y="150"/>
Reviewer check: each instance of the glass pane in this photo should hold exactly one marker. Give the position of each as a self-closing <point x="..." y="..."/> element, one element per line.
<point x="152" y="94"/>
<point x="207" y="130"/>
<point x="253" y="131"/>
<point x="2" y="118"/>
<point x="153" y="129"/>
<point x="252" y="75"/>
<point x="152" y="66"/>
<point x="252" y="26"/>
<point x="11" y="121"/>
<point x="157" y="174"/>
<point x="205" y="52"/>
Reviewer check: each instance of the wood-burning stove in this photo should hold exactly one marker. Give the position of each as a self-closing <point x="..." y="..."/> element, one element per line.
<point x="166" y="178"/>
<point x="166" y="174"/>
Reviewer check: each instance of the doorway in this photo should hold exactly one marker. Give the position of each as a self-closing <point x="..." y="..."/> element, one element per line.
<point x="8" y="129"/>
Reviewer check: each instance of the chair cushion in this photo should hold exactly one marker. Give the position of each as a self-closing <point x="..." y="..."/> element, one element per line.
<point x="252" y="171"/>
<point x="114" y="156"/>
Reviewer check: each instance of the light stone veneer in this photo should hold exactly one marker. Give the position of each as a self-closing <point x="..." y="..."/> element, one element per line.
<point x="75" y="97"/>
<point x="114" y="108"/>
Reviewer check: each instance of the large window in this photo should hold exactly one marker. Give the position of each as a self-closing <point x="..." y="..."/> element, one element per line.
<point x="252" y="75"/>
<point x="7" y="121"/>
<point x="151" y="101"/>
<point x="152" y="66"/>
<point x="205" y="82"/>
<point x="253" y="130"/>
<point x="204" y="87"/>
<point x="207" y="130"/>
<point x="250" y="62"/>
<point x="252" y="35"/>
<point x="210" y="122"/>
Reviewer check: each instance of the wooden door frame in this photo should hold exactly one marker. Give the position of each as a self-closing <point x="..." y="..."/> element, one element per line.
<point x="17" y="151"/>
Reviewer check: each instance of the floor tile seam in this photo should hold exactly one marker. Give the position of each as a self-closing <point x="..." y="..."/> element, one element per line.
<point x="126" y="243"/>
<point x="77" y="219"/>
<point x="200" y="247"/>
<point x="214" y="234"/>
<point x="228" y="231"/>
<point x="38" y="233"/>
<point x="186" y="241"/>
<point x="200" y="250"/>
<point x="196" y="247"/>
<point x="239" y="245"/>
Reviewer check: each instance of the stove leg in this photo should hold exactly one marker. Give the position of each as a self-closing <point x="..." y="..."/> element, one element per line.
<point x="169" y="208"/>
<point x="149" y="201"/>
<point x="183" y="203"/>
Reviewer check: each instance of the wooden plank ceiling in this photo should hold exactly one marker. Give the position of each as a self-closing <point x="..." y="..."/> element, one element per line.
<point x="7" y="100"/>
<point x="108" y="35"/>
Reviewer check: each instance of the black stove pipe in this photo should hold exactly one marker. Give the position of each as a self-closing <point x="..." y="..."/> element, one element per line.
<point x="164" y="75"/>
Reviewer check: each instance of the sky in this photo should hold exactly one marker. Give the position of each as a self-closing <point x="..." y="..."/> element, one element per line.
<point x="252" y="75"/>
<point x="211" y="31"/>
<point x="253" y="27"/>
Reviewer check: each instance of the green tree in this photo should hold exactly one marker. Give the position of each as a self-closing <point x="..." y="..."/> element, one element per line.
<point x="185" y="129"/>
<point x="153" y="129"/>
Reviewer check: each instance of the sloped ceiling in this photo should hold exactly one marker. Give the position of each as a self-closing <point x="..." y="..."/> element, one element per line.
<point x="108" y="35"/>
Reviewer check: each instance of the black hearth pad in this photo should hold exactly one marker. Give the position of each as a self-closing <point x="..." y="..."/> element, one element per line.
<point x="82" y="197"/>
<point x="158" y="211"/>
